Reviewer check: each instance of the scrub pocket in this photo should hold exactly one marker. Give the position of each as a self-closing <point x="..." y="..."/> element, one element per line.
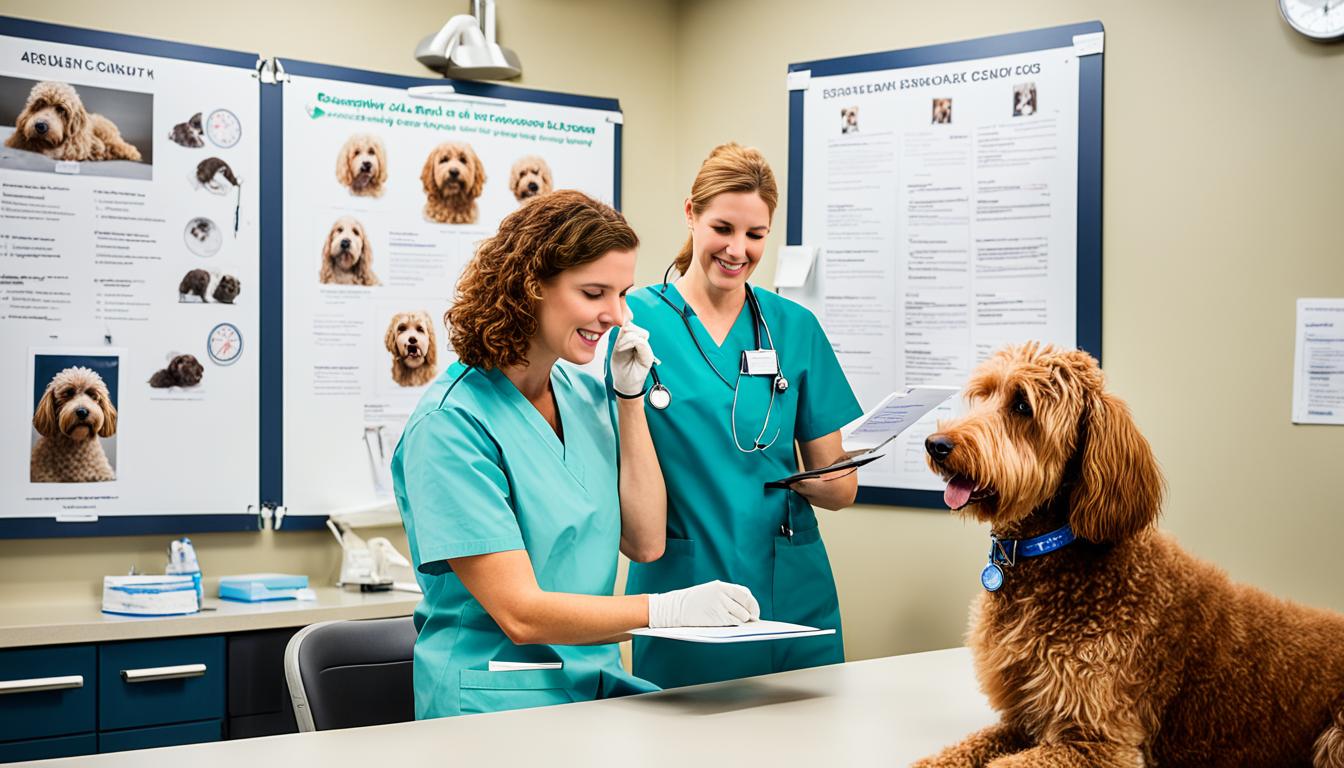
<point x="805" y="594"/>
<point x="484" y="691"/>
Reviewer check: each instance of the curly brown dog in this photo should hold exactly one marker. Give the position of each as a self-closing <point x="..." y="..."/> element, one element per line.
<point x="1118" y="649"/>
<point x="361" y="165"/>
<point x="182" y="371"/>
<point x="453" y="178"/>
<point x="415" y="355"/>
<point x="529" y="177"/>
<point x="347" y="257"/>
<point x="75" y="410"/>
<point x="55" y="123"/>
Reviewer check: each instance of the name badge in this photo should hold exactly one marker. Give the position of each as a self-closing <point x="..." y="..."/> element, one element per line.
<point x="760" y="362"/>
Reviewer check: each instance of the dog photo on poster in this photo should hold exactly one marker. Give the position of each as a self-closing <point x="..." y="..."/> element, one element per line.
<point x="386" y="196"/>
<point x="130" y="239"/>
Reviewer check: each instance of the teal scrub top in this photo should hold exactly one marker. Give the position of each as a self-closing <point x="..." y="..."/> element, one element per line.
<point x="722" y="523"/>
<point x="478" y="470"/>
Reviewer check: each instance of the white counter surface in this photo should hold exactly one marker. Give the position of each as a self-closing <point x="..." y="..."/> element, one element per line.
<point x="62" y="624"/>
<point x="882" y="712"/>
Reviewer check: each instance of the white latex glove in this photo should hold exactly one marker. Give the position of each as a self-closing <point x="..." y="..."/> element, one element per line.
<point x="712" y="604"/>
<point x="631" y="359"/>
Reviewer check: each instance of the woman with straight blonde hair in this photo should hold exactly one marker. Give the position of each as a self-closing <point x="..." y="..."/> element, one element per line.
<point x="746" y="378"/>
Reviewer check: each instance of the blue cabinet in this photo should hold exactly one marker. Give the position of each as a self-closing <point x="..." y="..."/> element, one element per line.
<point x="44" y="749"/>
<point x="159" y="682"/>
<point x="47" y="692"/>
<point x="161" y="736"/>
<point x="63" y="701"/>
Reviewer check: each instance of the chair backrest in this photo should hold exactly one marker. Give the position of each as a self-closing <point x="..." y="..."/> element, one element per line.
<point x="344" y="674"/>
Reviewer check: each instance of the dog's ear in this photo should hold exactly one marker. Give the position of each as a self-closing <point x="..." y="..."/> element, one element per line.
<point x="343" y="174"/>
<point x="1119" y="490"/>
<point x="477" y="175"/>
<point x="390" y="338"/>
<point x="109" y="427"/>
<point x="546" y="176"/>
<point x="431" y="354"/>
<point x="427" y="175"/>
<point x="327" y="273"/>
<point x="381" y="154"/>
<point x="364" y="267"/>
<point x="44" y="418"/>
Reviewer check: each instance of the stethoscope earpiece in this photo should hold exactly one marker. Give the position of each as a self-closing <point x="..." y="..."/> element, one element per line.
<point x="781" y="384"/>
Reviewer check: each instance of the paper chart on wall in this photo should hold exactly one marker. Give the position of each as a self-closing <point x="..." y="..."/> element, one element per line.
<point x="944" y="201"/>
<point x="128" y="283"/>
<point x="384" y="206"/>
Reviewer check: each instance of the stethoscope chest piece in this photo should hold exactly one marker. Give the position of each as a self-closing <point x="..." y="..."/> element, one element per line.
<point x="660" y="397"/>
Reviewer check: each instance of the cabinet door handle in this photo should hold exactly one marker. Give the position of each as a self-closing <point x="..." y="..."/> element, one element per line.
<point x="41" y="684"/>
<point x="162" y="673"/>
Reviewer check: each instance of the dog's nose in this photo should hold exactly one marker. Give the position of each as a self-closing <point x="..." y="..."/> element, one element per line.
<point x="82" y="413"/>
<point x="365" y="166"/>
<point x="939" y="446"/>
<point x="345" y="243"/>
<point x="40" y="126"/>
<point x="532" y="186"/>
<point x="453" y="172"/>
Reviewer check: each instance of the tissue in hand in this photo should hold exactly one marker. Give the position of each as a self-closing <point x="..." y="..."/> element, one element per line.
<point x="150" y="595"/>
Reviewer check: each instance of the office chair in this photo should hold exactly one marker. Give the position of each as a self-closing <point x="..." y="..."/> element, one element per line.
<point x="344" y="674"/>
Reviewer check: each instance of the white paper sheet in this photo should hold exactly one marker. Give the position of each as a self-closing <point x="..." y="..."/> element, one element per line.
<point x="795" y="264"/>
<point x="1318" y="362"/>
<point x="896" y="413"/>
<point x="752" y="631"/>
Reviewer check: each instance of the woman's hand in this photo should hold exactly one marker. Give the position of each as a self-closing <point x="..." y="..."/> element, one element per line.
<point x="631" y="359"/>
<point x="833" y="490"/>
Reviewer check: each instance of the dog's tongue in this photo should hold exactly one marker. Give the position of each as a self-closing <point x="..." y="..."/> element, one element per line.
<point x="958" y="492"/>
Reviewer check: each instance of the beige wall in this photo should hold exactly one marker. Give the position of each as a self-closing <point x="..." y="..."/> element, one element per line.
<point x="1221" y="191"/>
<point x="1221" y="194"/>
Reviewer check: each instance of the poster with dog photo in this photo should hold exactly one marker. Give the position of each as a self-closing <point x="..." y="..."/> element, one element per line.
<point x="386" y="197"/>
<point x="958" y="230"/>
<point x="130" y="235"/>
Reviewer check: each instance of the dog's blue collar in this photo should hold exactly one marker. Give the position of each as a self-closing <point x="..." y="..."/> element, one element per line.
<point x="1006" y="551"/>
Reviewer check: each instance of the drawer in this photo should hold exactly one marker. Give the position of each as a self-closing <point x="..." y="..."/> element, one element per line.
<point x="158" y="682"/>
<point x="51" y="691"/>
<point x="161" y="736"/>
<point x="43" y="749"/>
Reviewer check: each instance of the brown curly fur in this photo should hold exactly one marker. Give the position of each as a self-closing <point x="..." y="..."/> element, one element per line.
<point x="494" y="316"/>
<point x="71" y="132"/>
<point x="1120" y="649"/>
<point x="530" y="176"/>
<point x="453" y="178"/>
<point x="68" y="450"/>
<point x="182" y="371"/>
<point x="415" y="353"/>
<point x="361" y="165"/>
<point x="347" y="255"/>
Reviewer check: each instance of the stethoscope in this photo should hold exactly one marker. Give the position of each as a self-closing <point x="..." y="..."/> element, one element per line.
<point x="760" y="362"/>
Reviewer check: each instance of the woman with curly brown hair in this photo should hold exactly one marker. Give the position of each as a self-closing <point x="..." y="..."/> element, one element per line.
<point x="513" y="485"/>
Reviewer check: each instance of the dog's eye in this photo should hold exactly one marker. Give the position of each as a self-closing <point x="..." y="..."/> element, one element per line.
<point x="68" y="393"/>
<point x="401" y="328"/>
<point x="1021" y="407"/>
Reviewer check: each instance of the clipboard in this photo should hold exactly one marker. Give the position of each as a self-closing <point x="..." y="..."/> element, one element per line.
<point x="853" y="461"/>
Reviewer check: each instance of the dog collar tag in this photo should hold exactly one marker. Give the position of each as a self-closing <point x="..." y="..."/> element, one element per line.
<point x="991" y="578"/>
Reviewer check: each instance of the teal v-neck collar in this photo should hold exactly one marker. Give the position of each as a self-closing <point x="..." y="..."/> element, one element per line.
<point x="726" y="356"/>
<point x="571" y="459"/>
